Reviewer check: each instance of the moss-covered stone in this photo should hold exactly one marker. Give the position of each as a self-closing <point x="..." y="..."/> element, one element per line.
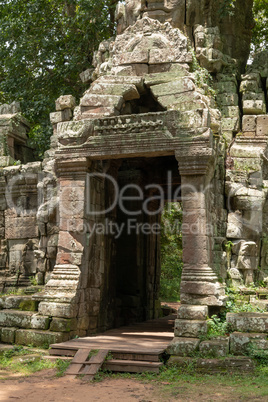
<point x="62" y="325"/>
<point x="215" y="347"/>
<point x="20" y="302"/>
<point x="8" y="335"/>
<point x="40" y="322"/>
<point x="11" y="318"/>
<point x="39" y="338"/>
<point x="175" y="73"/>
<point x="28" y="305"/>
<point x="23" y="319"/>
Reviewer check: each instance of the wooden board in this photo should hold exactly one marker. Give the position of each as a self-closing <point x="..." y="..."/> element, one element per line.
<point x="94" y="364"/>
<point x="99" y="357"/>
<point x="137" y="356"/>
<point x="73" y="347"/>
<point x="89" y="368"/>
<point x="132" y="366"/>
<point x="78" y="362"/>
<point x="62" y="352"/>
<point x="150" y="337"/>
<point x="121" y="344"/>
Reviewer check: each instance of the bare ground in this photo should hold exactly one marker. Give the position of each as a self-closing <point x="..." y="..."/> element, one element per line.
<point x="44" y="387"/>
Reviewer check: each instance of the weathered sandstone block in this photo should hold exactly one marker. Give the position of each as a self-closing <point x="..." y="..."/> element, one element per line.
<point x="39" y="338"/>
<point x="190" y="328"/>
<point x="62" y="310"/>
<point x="248" y="322"/>
<point x="215" y="347"/>
<point x="65" y="102"/>
<point x="240" y="343"/>
<point x="183" y="346"/>
<point x="187" y="312"/>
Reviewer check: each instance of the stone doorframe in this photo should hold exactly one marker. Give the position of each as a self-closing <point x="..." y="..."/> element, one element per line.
<point x="149" y="135"/>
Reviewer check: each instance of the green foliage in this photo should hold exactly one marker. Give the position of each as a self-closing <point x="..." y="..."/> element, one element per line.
<point x="9" y="361"/>
<point x="244" y="307"/>
<point x="109" y="356"/>
<point x="44" y="46"/>
<point x="12" y="291"/>
<point x="61" y="366"/>
<point x="260" y="31"/>
<point x="33" y="280"/>
<point x="40" y="138"/>
<point x="203" y="79"/>
<point x="235" y="305"/>
<point x="228" y="246"/>
<point x="260" y="355"/>
<point x="171" y="252"/>
<point x="17" y="350"/>
<point x="217" y="327"/>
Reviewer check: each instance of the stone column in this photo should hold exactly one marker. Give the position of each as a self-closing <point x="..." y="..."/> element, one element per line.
<point x="199" y="285"/>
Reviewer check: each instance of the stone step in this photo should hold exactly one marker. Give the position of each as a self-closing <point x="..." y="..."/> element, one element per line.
<point x="262" y="293"/>
<point x="248" y="322"/>
<point x="4" y="348"/>
<point x="263" y="304"/>
<point x="39" y="338"/>
<point x="20" y="302"/>
<point x="240" y="343"/>
<point x="55" y="358"/>
<point x="30" y="290"/>
<point x="23" y="319"/>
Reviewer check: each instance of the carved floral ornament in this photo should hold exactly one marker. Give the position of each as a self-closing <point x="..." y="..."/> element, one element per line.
<point x="149" y="41"/>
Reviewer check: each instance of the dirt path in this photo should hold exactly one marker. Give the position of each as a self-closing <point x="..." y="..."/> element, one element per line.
<point x="44" y="387"/>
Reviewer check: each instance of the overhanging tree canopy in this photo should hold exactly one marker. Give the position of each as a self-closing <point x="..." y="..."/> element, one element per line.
<point x="260" y="32"/>
<point x="44" y="45"/>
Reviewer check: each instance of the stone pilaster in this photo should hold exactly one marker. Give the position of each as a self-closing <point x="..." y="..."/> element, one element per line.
<point x="60" y="295"/>
<point x="199" y="285"/>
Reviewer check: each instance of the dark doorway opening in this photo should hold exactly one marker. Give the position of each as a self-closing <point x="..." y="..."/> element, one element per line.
<point x="132" y="290"/>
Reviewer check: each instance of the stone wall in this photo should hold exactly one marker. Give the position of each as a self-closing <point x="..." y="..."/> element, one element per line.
<point x="246" y="185"/>
<point x="248" y="335"/>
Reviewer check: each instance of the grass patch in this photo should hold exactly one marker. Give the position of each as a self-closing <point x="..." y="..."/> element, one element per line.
<point x="185" y="382"/>
<point x="9" y="361"/>
<point x="61" y="366"/>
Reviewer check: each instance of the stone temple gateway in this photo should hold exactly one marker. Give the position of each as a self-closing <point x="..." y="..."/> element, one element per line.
<point x="147" y="119"/>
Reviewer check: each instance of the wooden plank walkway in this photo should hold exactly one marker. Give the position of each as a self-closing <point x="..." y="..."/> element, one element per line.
<point x="150" y="337"/>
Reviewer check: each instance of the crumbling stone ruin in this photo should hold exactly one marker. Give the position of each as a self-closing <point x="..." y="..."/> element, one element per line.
<point x="150" y="115"/>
